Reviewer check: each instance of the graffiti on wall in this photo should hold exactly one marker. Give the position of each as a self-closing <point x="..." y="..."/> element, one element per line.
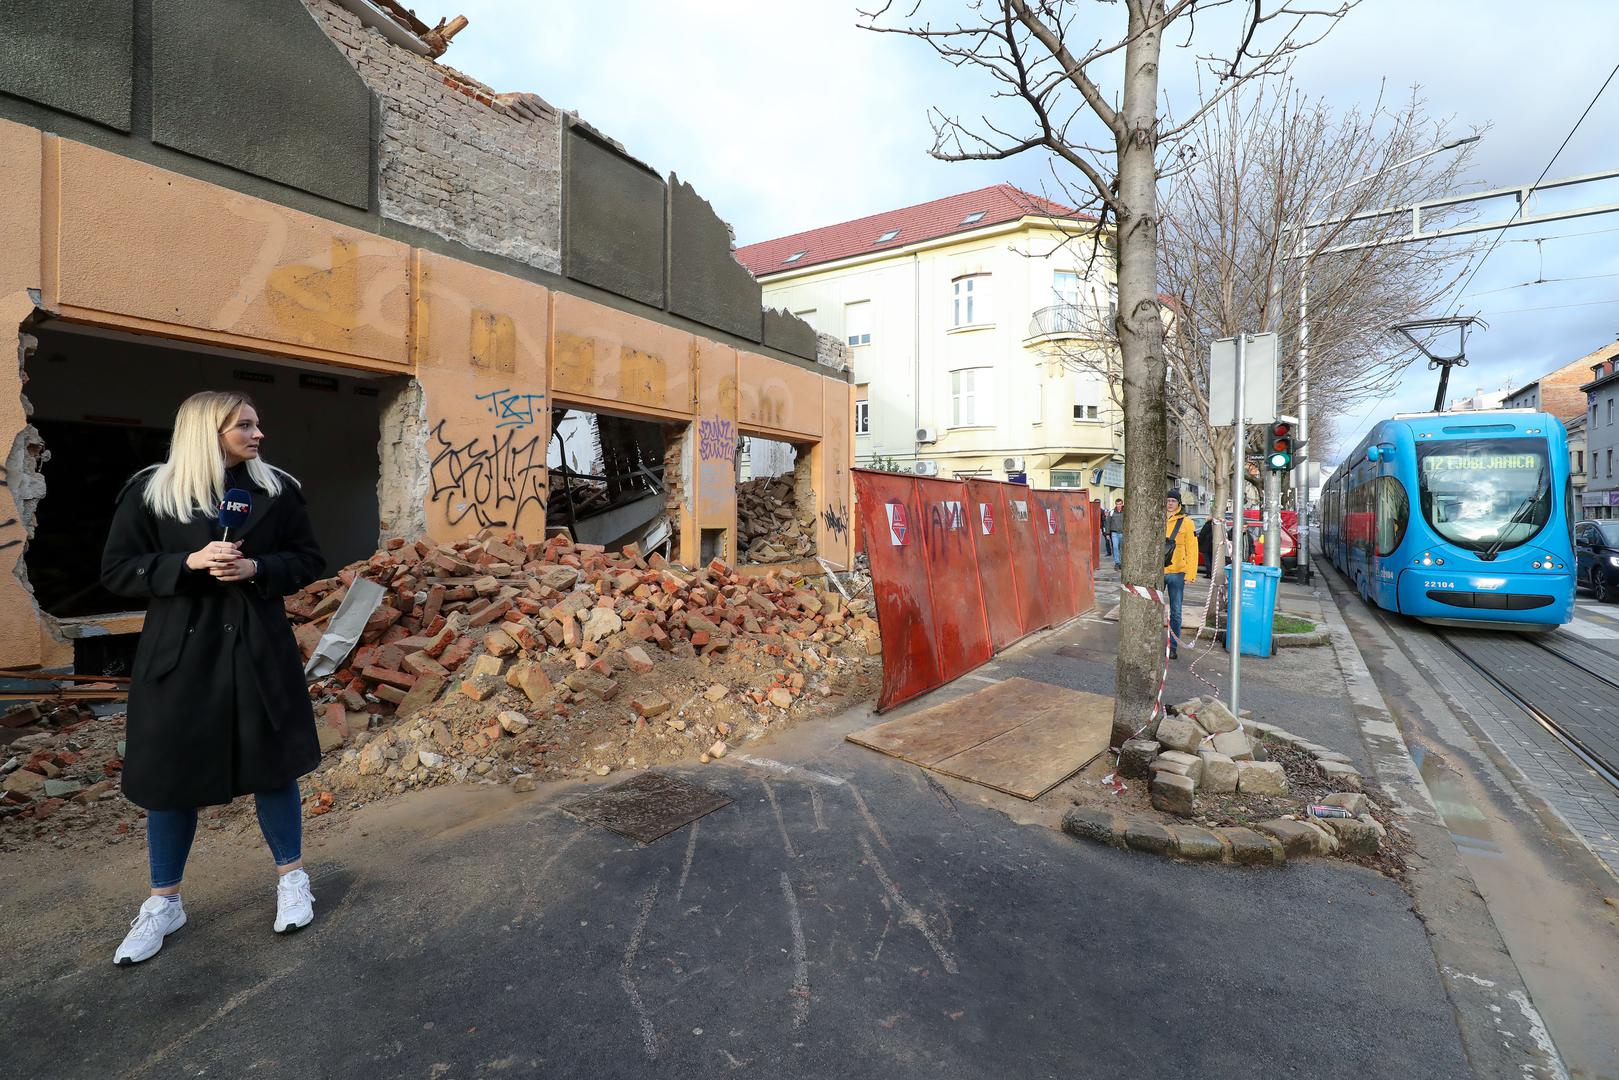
<point x="510" y="409"/>
<point x="492" y="480"/>
<point x="716" y="440"/>
<point x="836" y="520"/>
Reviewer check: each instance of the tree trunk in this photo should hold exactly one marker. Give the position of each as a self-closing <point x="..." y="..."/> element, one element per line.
<point x="1141" y="349"/>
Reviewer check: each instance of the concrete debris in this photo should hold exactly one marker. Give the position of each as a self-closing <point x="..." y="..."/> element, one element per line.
<point x="769" y="523"/>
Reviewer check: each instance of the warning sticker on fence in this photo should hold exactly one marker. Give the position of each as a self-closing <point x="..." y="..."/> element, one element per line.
<point x="1020" y="510"/>
<point x="986" y="518"/>
<point x="897" y="526"/>
<point x="953" y="517"/>
<point x="1051" y="520"/>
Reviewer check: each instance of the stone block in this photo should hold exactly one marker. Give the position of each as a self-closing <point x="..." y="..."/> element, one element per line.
<point x="480" y="687"/>
<point x="1134" y="757"/>
<point x="1296" y="837"/>
<point x="1093" y="823"/>
<point x="1355" y="836"/>
<point x="1144" y="834"/>
<point x="1179" y="733"/>
<point x="513" y="722"/>
<point x="1261" y="778"/>
<point x="488" y="664"/>
<point x="426" y="691"/>
<point x="1215" y="718"/>
<point x="1326" y="839"/>
<point x="1249" y="848"/>
<point x="1341" y="775"/>
<point x="1234" y="745"/>
<point x="499" y="643"/>
<point x="1198" y="844"/>
<point x="1219" y="773"/>
<point x="649" y="704"/>
<point x="1353" y="801"/>
<point x="1333" y="755"/>
<point x="601" y="623"/>
<point x="1187" y="765"/>
<point x="1173" y="794"/>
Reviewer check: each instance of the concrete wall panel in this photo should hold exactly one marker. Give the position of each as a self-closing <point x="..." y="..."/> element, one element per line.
<point x="78" y="58"/>
<point x="139" y="242"/>
<point x="777" y="399"/>
<point x="481" y="358"/>
<point x="787" y="332"/>
<point x="302" y="119"/>
<point x="607" y="359"/>
<point x="614" y="233"/>
<point x="706" y="283"/>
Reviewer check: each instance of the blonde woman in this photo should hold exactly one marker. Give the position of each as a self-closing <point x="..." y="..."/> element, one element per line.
<point x="218" y="706"/>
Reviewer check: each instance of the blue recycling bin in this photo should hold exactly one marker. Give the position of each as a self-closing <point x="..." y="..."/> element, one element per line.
<point x="1259" y="585"/>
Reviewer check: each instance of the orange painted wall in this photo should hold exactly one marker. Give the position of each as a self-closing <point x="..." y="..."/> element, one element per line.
<point x="112" y="242"/>
<point x="779" y="400"/>
<point x="606" y="359"/>
<point x="834" y="516"/>
<point x="713" y="441"/>
<point x="480" y="352"/>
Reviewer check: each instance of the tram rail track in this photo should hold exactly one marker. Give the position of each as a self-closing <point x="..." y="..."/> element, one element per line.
<point x="1552" y="715"/>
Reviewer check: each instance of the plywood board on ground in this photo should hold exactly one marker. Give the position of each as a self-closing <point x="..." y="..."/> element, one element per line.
<point x="1018" y="736"/>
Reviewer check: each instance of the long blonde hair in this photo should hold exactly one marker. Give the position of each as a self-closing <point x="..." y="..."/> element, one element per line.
<point x="191" y="483"/>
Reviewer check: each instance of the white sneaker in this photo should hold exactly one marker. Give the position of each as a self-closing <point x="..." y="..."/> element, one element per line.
<point x="294" y="903"/>
<point x="157" y="919"/>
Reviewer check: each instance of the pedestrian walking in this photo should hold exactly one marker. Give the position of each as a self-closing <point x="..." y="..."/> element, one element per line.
<point x="218" y="706"/>
<point x="1115" y="531"/>
<point x="1180" y="563"/>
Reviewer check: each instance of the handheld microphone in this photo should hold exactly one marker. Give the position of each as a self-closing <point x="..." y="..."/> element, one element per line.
<point x="233" y="510"/>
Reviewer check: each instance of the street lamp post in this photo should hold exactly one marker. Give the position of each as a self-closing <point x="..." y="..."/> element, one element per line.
<point x="1301" y="474"/>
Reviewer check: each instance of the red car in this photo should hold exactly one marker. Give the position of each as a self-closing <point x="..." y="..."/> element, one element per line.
<point x="1256" y="542"/>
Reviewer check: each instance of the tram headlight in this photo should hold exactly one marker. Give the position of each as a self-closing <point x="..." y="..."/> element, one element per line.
<point x="1613" y="560"/>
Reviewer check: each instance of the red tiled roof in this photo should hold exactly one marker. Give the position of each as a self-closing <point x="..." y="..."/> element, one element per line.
<point x="925" y="221"/>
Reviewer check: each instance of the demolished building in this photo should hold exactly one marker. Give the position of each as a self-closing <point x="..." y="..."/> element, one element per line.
<point x="410" y="272"/>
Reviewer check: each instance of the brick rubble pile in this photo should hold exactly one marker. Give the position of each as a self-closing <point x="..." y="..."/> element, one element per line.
<point x="498" y="661"/>
<point x="769" y="523"/>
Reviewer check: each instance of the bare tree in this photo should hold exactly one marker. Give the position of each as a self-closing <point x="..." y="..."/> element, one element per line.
<point x="1047" y="61"/>
<point x="1265" y="162"/>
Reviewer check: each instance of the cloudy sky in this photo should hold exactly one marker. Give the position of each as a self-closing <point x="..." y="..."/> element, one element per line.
<point x="787" y="117"/>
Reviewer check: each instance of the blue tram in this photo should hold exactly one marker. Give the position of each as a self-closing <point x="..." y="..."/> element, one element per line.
<point x="1459" y="519"/>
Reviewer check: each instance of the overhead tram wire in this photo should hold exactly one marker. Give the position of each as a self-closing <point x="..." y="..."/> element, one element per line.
<point x="1495" y="243"/>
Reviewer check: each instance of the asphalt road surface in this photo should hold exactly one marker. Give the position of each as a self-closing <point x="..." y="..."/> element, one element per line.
<point x="845" y="918"/>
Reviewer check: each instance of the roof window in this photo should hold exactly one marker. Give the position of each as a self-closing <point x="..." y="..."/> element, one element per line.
<point x="887" y="236"/>
<point x="975" y="216"/>
<point x="794" y="257"/>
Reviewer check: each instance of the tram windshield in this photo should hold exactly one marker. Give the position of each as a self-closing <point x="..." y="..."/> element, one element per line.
<point x="1485" y="494"/>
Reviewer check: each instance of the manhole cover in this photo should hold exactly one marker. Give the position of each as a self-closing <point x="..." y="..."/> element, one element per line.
<point x="647" y="807"/>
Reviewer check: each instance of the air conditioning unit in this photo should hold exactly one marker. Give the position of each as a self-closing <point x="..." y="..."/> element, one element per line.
<point x="926" y="468"/>
<point x="1012" y="464"/>
<point x="927" y="434"/>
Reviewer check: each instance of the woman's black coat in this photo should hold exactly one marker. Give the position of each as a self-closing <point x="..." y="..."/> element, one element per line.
<point x="218" y="705"/>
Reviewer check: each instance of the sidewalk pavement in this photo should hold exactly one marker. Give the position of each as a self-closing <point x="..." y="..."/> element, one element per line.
<point x="848" y="915"/>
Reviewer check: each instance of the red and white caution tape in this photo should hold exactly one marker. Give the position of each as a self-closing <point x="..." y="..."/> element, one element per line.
<point x="1160" y="597"/>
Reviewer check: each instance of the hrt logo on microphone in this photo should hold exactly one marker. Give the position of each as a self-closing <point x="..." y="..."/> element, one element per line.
<point x="235" y="507"/>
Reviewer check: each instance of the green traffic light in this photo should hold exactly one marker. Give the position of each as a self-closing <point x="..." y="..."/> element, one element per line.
<point x="1280" y="462"/>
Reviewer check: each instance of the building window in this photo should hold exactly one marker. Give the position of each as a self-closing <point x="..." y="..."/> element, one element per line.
<point x="974" y="218"/>
<point x="1610" y="464"/>
<point x="887" y="236"/>
<point x="857" y="322"/>
<point x="794" y="257"/>
<point x="971" y="301"/>
<point x="1084" y="410"/>
<point x="1579" y="460"/>
<point x="969" y="397"/>
<point x="1067" y="478"/>
<point x="862" y="418"/>
<point x="1610" y="412"/>
<point x="1065" y="287"/>
<point x="1039" y="400"/>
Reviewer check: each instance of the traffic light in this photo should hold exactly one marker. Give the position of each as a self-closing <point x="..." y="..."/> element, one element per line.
<point x="1279" y="451"/>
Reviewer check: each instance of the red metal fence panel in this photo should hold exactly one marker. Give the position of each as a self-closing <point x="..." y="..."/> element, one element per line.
<point x="889" y="517"/>
<point x="1084" y="515"/>
<point x="992" y="537"/>
<point x="1050" y="512"/>
<point x="1096" y="530"/>
<point x="1034" y="600"/>
<point x="960" y="631"/>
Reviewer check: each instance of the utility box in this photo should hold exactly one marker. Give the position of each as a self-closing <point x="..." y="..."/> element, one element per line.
<point x="1259" y="585"/>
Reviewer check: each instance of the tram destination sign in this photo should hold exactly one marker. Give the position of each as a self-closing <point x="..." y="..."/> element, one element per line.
<point x="1433" y="463"/>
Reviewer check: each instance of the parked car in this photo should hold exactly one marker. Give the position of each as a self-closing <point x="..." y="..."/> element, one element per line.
<point x="1596" y="557"/>
<point x="1254" y="542"/>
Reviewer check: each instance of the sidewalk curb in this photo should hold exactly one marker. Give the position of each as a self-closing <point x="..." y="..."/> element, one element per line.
<point x="1503" y="1034"/>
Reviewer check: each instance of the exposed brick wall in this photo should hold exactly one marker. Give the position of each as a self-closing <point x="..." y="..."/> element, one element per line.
<point x="832" y="352"/>
<point x="454" y="157"/>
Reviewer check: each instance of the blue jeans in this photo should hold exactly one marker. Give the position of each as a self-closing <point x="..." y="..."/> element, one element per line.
<point x="169" y="833"/>
<point x="1175" y="586"/>
<point x="1118" y="548"/>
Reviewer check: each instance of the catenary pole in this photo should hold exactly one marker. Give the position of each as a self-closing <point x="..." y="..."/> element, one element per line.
<point x="1234" y="600"/>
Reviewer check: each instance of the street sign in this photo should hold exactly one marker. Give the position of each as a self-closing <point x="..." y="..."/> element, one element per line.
<point x="1259" y="381"/>
<point x="1113" y="474"/>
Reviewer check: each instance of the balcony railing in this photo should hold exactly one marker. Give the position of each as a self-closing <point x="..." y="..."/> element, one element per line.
<point x="1072" y="320"/>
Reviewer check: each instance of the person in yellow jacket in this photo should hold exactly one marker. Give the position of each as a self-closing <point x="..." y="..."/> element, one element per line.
<point x="1180" y="563"/>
